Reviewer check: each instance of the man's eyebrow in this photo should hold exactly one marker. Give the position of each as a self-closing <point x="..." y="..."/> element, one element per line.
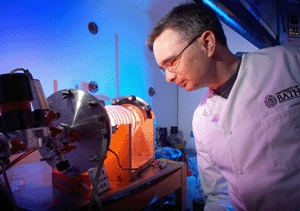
<point x="167" y="60"/>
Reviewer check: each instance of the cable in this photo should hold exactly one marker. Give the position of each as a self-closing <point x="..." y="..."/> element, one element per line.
<point x="116" y="157"/>
<point x="85" y="186"/>
<point x="281" y="16"/>
<point x="24" y="70"/>
<point x="16" y="160"/>
<point x="126" y="169"/>
<point x="6" y="192"/>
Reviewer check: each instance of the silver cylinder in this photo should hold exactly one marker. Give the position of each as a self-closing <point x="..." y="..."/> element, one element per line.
<point x="39" y="101"/>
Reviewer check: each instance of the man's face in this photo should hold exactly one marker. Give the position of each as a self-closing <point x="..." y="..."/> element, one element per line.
<point x="185" y="62"/>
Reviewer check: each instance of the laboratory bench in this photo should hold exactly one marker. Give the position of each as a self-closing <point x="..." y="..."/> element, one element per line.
<point x="33" y="189"/>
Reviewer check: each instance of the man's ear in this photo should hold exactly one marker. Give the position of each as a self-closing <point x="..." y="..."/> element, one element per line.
<point x="208" y="40"/>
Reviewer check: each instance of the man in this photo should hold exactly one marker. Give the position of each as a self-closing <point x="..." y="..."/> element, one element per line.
<point x="247" y="127"/>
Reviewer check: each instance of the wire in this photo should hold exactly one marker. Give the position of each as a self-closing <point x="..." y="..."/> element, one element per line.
<point x="281" y="15"/>
<point x="16" y="69"/>
<point x="9" y="191"/>
<point x="127" y="169"/>
<point x="116" y="157"/>
<point x="24" y="70"/>
<point x="16" y="160"/>
<point x="85" y="186"/>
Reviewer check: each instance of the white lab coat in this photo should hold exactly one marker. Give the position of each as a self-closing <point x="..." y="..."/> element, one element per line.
<point x="249" y="144"/>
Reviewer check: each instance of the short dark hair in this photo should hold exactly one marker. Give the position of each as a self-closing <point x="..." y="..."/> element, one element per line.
<point x="189" y="20"/>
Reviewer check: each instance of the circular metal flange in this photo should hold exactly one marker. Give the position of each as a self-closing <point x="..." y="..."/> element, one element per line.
<point x="137" y="101"/>
<point x="86" y="116"/>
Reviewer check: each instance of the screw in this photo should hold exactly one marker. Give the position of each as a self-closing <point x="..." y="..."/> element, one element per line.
<point x="48" y="157"/>
<point x="95" y="158"/>
<point x="114" y="102"/>
<point x="92" y="103"/>
<point x="104" y="131"/>
<point x="67" y="94"/>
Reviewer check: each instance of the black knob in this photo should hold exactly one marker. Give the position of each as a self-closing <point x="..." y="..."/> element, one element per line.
<point x="63" y="165"/>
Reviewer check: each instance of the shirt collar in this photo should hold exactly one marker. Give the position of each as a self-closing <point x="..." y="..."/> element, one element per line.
<point x="224" y="90"/>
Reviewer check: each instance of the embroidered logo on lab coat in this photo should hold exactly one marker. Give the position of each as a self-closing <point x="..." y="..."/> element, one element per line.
<point x="270" y="101"/>
<point x="288" y="94"/>
<point x="282" y="96"/>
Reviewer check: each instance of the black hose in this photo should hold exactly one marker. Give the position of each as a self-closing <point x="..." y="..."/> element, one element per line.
<point x="6" y="196"/>
<point x="16" y="160"/>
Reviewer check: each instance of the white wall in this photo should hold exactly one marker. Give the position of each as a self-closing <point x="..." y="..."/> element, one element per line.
<point x="188" y="101"/>
<point x="166" y="97"/>
<point x="51" y="40"/>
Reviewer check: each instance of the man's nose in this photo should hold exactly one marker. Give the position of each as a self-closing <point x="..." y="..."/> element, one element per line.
<point x="170" y="77"/>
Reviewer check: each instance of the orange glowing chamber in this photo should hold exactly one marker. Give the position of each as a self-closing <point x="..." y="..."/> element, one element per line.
<point x="133" y="139"/>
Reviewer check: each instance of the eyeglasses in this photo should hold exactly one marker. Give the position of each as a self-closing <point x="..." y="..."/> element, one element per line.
<point x="174" y="62"/>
